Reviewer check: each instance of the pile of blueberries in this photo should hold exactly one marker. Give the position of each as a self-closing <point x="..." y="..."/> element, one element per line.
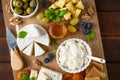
<point x="49" y="58"/>
<point x="87" y="26"/>
<point x="46" y="4"/>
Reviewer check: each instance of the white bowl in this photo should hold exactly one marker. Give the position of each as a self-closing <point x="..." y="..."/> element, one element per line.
<point x="63" y="63"/>
<point x="26" y="16"/>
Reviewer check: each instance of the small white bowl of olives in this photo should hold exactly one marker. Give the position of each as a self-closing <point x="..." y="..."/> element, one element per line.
<point x="24" y="8"/>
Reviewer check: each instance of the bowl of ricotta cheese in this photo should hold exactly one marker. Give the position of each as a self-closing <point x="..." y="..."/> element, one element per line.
<point x="71" y="55"/>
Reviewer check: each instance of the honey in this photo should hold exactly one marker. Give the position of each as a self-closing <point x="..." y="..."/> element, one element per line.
<point x="57" y="30"/>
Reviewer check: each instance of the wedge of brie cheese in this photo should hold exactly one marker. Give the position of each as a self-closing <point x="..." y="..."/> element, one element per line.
<point x="52" y="75"/>
<point x="35" y="33"/>
<point x="38" y="50"/>
<point x="28" y="51"/>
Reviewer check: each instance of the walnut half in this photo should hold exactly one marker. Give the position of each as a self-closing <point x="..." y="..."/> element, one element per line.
<point x="15" y="20"/>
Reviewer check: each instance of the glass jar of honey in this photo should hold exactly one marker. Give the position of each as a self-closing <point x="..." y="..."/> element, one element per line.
<point x="57" y="30"/>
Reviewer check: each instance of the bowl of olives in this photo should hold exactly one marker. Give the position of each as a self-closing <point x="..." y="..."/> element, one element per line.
<point x="24" y="8"/>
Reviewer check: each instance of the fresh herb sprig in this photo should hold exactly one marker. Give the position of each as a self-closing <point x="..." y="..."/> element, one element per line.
<point x="55" y="14"/>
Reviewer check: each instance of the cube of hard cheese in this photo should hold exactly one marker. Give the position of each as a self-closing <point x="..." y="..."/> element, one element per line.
<point x="75" y="1"/>
<point x="34" y="74"/>
<point x="53" y="6"/>
<point x="60" y="3"/>
<point x="77" y="13"/>
<point x="80" y="5"/>
<point x="69" y="6"/>
<point x="67" y="16"/>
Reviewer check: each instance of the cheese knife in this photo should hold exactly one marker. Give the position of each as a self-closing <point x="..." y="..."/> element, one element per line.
<point x="16" y="60"/>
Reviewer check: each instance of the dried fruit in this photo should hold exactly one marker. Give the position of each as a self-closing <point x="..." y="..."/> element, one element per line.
<point x="67" y="77"/>
<point x="90" y="11"/>
<point x="19" y="74"/>
<point x="77" y="77"/>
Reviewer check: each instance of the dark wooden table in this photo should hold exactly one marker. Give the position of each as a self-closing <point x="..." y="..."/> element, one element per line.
<point x="109" y="19"/>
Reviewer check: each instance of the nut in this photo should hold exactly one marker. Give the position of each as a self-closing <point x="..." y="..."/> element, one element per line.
<point x="15" y="20"/>
<point x="86" y="16"/>
<point x="90" y="11"/>
<point x="36" y="62"/>
<point x="8" y="9"/>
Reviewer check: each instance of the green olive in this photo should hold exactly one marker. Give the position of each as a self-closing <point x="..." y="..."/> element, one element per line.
<point x="25" y="1"/>
<point x="25" y="13"/>
<point x="25" y="6"/>
<point x="18" y="10"/>
<point x="19" y="4"/>
<point x="33" y="3"/>
<point x="29" y="10"/>
<point x="14" y="3"/>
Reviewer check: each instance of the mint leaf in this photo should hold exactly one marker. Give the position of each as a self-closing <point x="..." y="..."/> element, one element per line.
<point x="22" y="34"/>
<point x="32" y="78"/>
<point x="25" y="76"/>
<point x="52" y="10"/>
<point x="91" y="36"/>
<point x="57" y="12"/>
<point x="63" y="12"/>
<point x="58" y="18"/>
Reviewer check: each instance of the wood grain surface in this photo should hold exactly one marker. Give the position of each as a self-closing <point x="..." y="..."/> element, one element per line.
<point x="110" y="39"/>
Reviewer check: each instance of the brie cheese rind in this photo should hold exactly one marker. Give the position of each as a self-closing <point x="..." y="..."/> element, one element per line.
<point x="49" y="74"/>
<point x="38" y="50"/>
<point x="71" y="55"/>
<point x="35" y="33"/>
<point x="29" y="50"/>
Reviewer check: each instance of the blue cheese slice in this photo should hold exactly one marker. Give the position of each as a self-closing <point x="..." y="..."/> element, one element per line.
<point x="34" y="74"/>
<point x="38" y="50"/>
<point x="53" y="75"/>
<point x="43" y="77"/>
<point x="28" y="51"/>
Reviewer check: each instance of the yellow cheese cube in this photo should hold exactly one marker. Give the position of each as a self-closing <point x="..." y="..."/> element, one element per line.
<point x="80" y="5"/>
<point x="69" y="6"/>
<point x="75" y="1"/>
<point x="77" y="13"/>
<point x="53" y="6"/>
<point x="67" y="16"/>
<point x="67" y="1"/>
<point x="60" y="3"/>
<point x="73" y="13"/>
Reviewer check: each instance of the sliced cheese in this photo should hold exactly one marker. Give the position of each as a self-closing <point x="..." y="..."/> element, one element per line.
<point x="34" y="74"/>
<point x="42" y="40"/>
<point x="28" y="51"/>
<point x="38" y="50"/>
<point x="42" y="76"/>
<point x="53" y="75"/>
<point x="32" y="31"/>
<point x="35" y="33"/>
<point x="23" y="43"/>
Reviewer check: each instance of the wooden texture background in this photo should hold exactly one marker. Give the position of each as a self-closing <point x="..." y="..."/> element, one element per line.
<point x="109" y="19"/>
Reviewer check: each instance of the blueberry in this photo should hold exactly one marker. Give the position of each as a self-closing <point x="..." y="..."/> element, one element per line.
<point x="89" y="26"/>
<point x="83" y="24"/>
<point x="86" y="31"/>
<point x="50" y="56"/>
<point x="46" y="60"/>
<point x="46" y="4"/>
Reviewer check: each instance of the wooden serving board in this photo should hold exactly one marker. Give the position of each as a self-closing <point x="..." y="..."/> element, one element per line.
<point x="96" y="44"/>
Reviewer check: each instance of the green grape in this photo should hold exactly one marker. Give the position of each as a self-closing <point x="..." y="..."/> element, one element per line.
<point x="71" y="29"/>
<point x="40" y="16"/>
<point x="45" y="20"/>
<point x="74" y="21"/>
<point x="46" y="11"/>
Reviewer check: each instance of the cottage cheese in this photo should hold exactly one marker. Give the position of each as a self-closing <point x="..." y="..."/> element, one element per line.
<point x="71" y="55"/>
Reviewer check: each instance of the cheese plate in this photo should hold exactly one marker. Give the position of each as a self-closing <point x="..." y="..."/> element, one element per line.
<point x="95" y="44"/>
